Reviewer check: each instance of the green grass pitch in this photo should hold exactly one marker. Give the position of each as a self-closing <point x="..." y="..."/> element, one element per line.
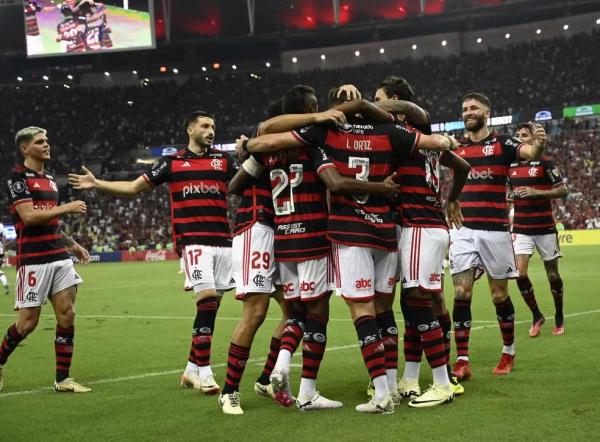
<point x="132" y="340"/>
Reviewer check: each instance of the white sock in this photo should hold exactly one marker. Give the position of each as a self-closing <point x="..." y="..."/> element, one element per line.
<point x="308" y="388"/>
<point x="3" y="280"/>
<point x="440" y="375"/>
<point x="191" y="368"/>
<point x="284" y="358"/>
<point x="392" y="378"/>
<point x="381" y="388"/>
<point x="463" y="358"/>
<point x="411" y="370"/>
<point x="509" y="349"/>
<point x="204" y="371"/>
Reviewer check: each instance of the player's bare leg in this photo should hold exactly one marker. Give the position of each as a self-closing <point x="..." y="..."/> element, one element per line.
<point x="3" y="279"/>
<point x="198" y="373"/>
<point x="63" y="303"/>
<point x="526" y="289"/>
<point x="27" y="321"/>
<point x="254" y="311"/>
<point x="461" y="316"/>
<point x="505" y="312"/>
<point x="372" y="349"/>
<point x="556" y="286"/>
<point x="386" y="322"/>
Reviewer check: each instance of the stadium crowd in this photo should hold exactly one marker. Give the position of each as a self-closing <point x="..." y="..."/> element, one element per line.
<point x="107" y="127"/>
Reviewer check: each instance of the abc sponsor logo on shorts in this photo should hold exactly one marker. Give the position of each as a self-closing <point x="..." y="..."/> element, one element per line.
<point x="288" y="288"/>
<point x="481" y="174"/>
<point x="363" y="284"/>
<point x="435" y="277"/>
<point x="306" y="286"/>
<point x="192" y="189"/>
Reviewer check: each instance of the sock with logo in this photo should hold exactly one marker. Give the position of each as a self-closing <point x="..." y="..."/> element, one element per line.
<point x="290" y="339"/>
<point x="63" y="347"/>
<point x="313" y="348"/>
<point x="9" y="343"/>
<point x="505" y="312"/>
<point x="389" y="335"/>
<point x="557" y="293"/>
<point x="236" y="363"/>
<point x="462" y="327"/>
<point x="206" y="312"/>
<point x="270" y="362"/>
<point x="526" y="289"/>
<point x="446" y="324"/>
<point x="371" y="347"/>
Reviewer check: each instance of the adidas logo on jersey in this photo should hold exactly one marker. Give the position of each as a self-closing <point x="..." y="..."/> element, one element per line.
<point x="36" y="185"/>
<point x="186" y="164"/>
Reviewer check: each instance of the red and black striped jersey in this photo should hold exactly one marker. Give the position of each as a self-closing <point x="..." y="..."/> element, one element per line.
<point x="533" y="216"/>
<point x="419" y="202"/>
<point x="42" y="243"/>
<point x="31" y="25"/>
<point x="483" y="199"/>
<point x="367" y="152"/>
<point x="198" y="194"/>
<point x="299" y="201"/>
<point x="72" y="32"/>
<point x="256" y="204"/>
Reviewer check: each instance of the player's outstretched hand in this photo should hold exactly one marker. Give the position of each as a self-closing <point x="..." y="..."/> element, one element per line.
<point x="241" y="153"/>
<point x="391" y="187"/>
<point x="75" y="207"/>
<point x="454" y="214"/>
<point x="526" y="192"/>
<point x="539" y="133"/>
<point x="331" y="116"/>
<point x="83" y="256"/>
<point x="352" y="93"/>
<point x="82" y="182"/>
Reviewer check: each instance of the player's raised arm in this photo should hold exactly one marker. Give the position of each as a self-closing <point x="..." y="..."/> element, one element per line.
<point x="368" y="110"/>
<point x="436" y="142"/>
<point x="272" y="143"/>
<point x="88" y="181"/>
<point x="414" y="113"/>
<point x="534" y="151"/>
<point x="283" y="123"/>
<point x="460" y="169"/>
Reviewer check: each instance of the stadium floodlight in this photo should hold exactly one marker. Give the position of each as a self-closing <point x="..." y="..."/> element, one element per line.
<point x="45" y="77"/>
<point x="203" y="68"/>
<point x="294" y="60"/>
<point x="323" y="57"/>
<point x="479" y="40"/>
<point x="175" y="70"/>
<point x="70" y="77"/>
<point x="538" y="31"/>
<point x="66" y="86"/>
<point x="414" y="47"/>
<point x="47" y="87"/>
<point x="444" y="42"/>
<point x="134" y="72"/>
<point x="507" y="35"/>
<point x="357" y="53"/>
<point x="566" y="27"/>
<point x="598" y="21"/>
<point x="107" y="74"/>
<point x="234" y="67"/>
<point x="382" y="51"/>
<point x="19" y="79"/>
<point x="267" y="64"/>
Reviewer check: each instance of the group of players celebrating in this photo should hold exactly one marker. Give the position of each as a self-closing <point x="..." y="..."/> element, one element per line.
<point x="348" y="200"/>
<point x="84" y="26"/>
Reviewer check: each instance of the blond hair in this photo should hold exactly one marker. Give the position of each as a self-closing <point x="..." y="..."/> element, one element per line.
<point x="27" y="134"/>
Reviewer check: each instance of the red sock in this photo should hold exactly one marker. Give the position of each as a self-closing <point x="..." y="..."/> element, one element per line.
<point x="63" y="348"/>
<point x="462" y="326"/>
<point x="313" y="345"/>
<point x="236" y="363"/>
<point x="371" y="345"/>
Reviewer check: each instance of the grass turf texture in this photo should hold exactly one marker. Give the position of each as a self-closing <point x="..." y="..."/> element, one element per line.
<point x="133" y="336"/>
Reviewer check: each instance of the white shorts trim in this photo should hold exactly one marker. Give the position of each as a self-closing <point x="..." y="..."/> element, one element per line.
<point x="363" y="272"/>
<point x="254" y="268"/>
<point x="422" y="251"/>
<point x="37" y="282"/>
<point x="546" y="245"/>
<point x="488" y="250"/>
<point x="207" y="267"/>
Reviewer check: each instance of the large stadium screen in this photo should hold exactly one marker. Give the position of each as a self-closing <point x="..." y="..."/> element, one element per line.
<point x="72" y="27"/>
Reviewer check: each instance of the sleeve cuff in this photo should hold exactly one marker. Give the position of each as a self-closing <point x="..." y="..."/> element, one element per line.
<point x="148" y="180"/>
<point x="299" y="137"/>
<point x="322" y="167"/>
<point x="252" y="167"/>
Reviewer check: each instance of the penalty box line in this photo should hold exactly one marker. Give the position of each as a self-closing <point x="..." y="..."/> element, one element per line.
<point x="222" y="365"/>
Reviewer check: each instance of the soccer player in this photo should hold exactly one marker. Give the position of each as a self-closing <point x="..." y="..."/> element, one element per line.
<point x="361" y="227"/>
<point x="44" y="268"/>
<point x="197" y="178"/>
<point x="483" y="242"/>
<point x="423" y="243"/>
<point x="35" y="45"/>
<point x="534" y="184"/>
<point x="3" y="278"/>
<point x="70" y="32"/>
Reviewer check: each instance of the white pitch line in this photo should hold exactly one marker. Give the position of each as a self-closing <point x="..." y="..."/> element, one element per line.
<point x="170" y="372"/>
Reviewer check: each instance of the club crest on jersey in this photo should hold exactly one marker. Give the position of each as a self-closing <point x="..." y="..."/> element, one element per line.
<point x="533" y="171"/>
<point x="217" y="164"/>
<point x="488" y="150"/>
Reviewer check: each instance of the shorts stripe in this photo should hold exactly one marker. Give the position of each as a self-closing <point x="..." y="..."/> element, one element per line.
<point x="413" y="243"/>
<point x="419" y="231"/>
<point x="246" y="257"/>
<point x="185" y="261"/>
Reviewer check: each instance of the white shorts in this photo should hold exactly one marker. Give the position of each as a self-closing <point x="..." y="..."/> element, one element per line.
<point x="207" y="267"/>
<point x="422" y="251"/>
<point x="307" y="280"/>
<point x="546" y="245"/>
<point x="362" y="272"/>
<point x="36" y="282"/>
<point x="35" y="46"/>
<point x="254" y="268"/>
<point x="484" y="250"/>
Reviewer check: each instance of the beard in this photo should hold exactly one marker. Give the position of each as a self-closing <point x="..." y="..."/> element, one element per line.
<point x="203" y="142"/>
<point x="474" y="126"/>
